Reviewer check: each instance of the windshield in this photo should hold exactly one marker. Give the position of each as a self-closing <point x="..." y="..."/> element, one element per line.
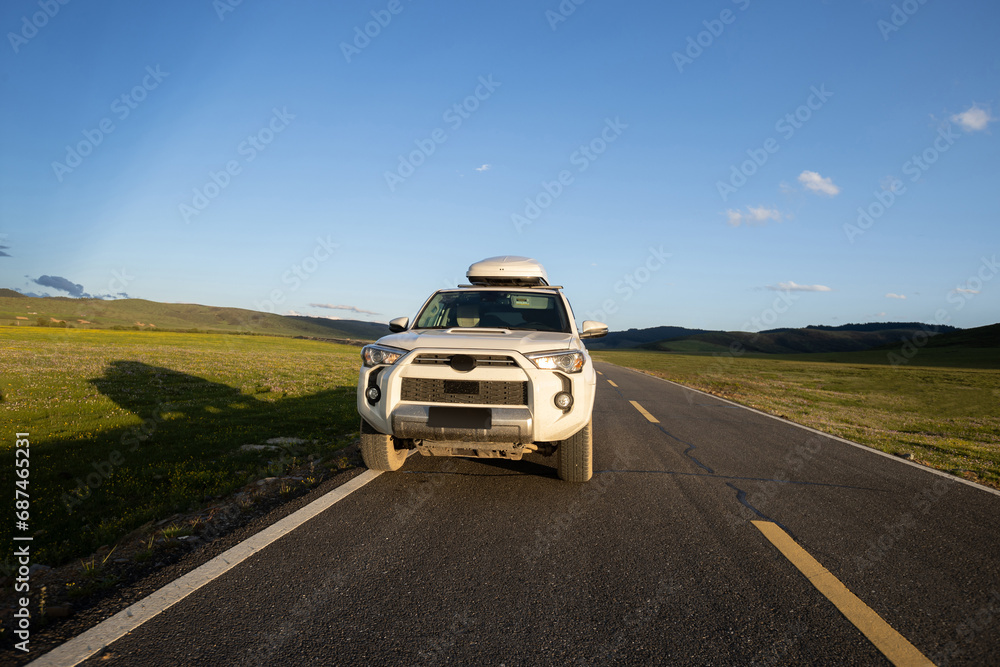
<point x="494" y="309"/>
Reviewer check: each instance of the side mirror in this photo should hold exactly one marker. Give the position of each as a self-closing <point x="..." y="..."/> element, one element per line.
<point x="592" y="329"/>
<point x="399" y="324"/>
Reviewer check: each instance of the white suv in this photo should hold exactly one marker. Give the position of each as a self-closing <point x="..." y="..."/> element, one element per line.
<point x="494" y="369"/>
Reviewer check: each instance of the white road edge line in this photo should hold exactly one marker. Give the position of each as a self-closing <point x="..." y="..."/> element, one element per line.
<point x="866" y="448"/>
<point x="90" y="642"/>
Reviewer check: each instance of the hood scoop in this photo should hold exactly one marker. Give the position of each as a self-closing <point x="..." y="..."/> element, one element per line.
<point x="476" y="331"/>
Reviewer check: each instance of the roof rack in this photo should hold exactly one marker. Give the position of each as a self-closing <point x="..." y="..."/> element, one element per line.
<point x="519" y="285"/>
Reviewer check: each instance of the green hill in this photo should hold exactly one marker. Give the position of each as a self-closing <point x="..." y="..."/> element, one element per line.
<point x="352" y="328"/>
<point x="957" y="348"/>
<point x="791" y="341"/>
<point x="617" y="340"/>
<point x="141" y="314"/>
<point x="980" y="337"/>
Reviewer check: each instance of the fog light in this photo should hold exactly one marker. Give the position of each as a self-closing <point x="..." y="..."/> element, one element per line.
<point x="373" y="394"/>
<point x="564" y="400"/>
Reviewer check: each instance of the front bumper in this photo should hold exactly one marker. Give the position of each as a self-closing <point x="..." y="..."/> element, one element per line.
<point x="464" y="423"/>
<point x="511" y="403"/>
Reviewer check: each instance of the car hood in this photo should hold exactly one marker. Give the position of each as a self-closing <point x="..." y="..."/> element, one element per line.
<point x="490" y="339"/>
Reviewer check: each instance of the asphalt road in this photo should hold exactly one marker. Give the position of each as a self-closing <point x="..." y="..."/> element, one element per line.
<point x="655" y="561"/>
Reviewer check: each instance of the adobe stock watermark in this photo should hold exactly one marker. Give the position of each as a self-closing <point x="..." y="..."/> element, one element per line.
<point x="777" y="652"/>
<point x="555" y="529"/>
<point x="958" y="298"/>
<point x="363" y="35"/>
<point x="90" y="308"/>
<point x="975" y="623"/>
<point x="91" y="481"/>
<point x="786" y="126"/>
<point x="915" y="167"/>
<point x="438" y="650"/>
<point x="37" y="21"/>
<point x="631" y="283"/>
<point x="122" y="106"/>
<point x="581" y="158"/>
<point x="899" y="17"/>
<point x="767" y="317"/>
<point x="890" y="533"/>
<point x="562" y="12"/>
<point x="770" y="315"/>
<point x="119" y="282"/>
<point x="298" y="273"/>
<point x="223" y="7"/>
<point x="631" y="623"/>
<point x="454" y="116"/>
<point x="797" y="458"/>
<point x="697" y="44"/>
<point x="248" y="149"/>
<point x="418" y="496"/>
<point x="104" y="469"/>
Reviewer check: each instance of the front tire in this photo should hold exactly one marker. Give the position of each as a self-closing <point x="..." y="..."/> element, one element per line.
<point x="576" y="456"/>
<point x="379" y="450"/>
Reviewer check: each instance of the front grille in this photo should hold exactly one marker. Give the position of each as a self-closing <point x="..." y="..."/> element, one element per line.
<point x="487" y="392"/>
<point x="489" y="360"/>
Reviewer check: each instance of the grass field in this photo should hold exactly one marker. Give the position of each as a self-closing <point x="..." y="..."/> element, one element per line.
<point x="142" y="315"/>
<point x="127" y="427"/>
<point x="944" y="412"/>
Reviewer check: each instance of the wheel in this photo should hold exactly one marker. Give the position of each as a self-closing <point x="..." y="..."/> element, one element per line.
<point x="576" y="456"/>
<point x="379" y="450"/>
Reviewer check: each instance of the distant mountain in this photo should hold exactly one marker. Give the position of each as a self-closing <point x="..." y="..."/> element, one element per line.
<point x="636" y="337"/>
<point x="353" y="328"/>
<point x="11" y="294"/>
<point x="851" y="338"/>
<point x="814" y="338"/>
<point x="151" y="315"/>
<point x="980" y="337"/>
<point x="875" y="326"/>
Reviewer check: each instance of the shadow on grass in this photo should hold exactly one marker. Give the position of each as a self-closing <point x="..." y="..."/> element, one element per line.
<point x="95" y="488"/>
<point x="144" y="390"/>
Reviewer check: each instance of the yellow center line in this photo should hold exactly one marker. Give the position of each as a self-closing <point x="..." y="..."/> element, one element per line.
<point x="644" y="412"/>
<point x="893" y="645"/>
<point x="612" y="383"/>
<point x="600" y="373"/>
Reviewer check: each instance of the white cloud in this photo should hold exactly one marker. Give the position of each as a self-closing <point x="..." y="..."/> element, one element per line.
<point x="965" y="290"/>
<point x="791" y="286"/>
<point x="891" y="184"/>
<point x="353" y="309"/>
<point x="973" y="119"/>
<point x="891" y="295"/>
<point x="485" y="167"/>
<point x="758" y="215"/>
<point x="762" y="214"/>
<point x="813" y="181"/>
<point x="882" y="314"/>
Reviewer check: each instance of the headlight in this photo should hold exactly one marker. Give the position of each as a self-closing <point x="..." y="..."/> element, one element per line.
<point x="567" y="362"/>
<point x="378" y="355"/>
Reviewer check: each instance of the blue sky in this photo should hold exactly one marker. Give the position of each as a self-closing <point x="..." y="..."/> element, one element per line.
<point x="726" y="165"/>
